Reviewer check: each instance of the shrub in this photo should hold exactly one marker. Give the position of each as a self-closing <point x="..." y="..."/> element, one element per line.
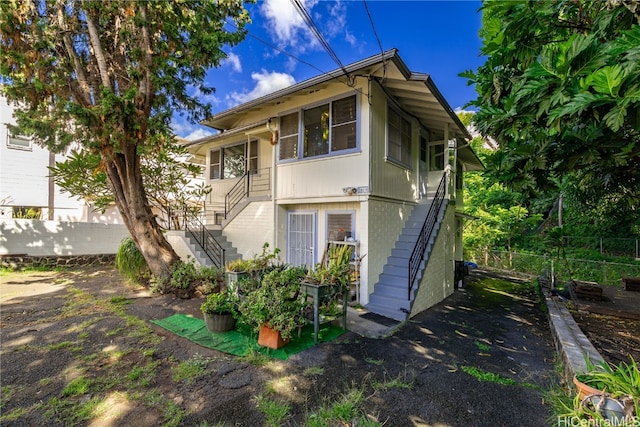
<point x="130" y="262"/>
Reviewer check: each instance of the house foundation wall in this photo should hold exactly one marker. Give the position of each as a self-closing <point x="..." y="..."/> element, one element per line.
<point x="252" y="228"/>
<point x="438" y="279"/>
<point x="386" y="221"/>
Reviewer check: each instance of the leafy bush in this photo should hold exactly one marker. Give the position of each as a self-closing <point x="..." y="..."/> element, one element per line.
<point x="130" y="262"/>
<point x="224" y="302"/>
<point x="278" y="302"/>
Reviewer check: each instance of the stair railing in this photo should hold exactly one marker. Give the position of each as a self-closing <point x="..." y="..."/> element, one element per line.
<point x="254" y="181"/>
<point x="425" y="233"/>
<point x="211" y="247"/>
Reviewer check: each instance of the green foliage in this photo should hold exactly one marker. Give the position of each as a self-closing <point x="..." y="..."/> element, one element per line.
<point x="266" y="260"/>
<point x="560" y="93"/>
<point x="278" y="302"/>
<point x="129" y="260"/>
<point x="224" y="302"/>
<point x="166" y="175"/>
<point x="186" y="279"/>
<point x="107" y="77"/>
<point x="622" y="381"/>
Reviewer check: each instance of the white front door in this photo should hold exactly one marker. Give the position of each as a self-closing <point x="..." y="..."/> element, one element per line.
<point x="301" y="238"/>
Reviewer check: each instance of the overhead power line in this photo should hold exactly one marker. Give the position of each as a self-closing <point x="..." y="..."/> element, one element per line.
<point x="373" y="27"/>
<point x="316" y="32"/>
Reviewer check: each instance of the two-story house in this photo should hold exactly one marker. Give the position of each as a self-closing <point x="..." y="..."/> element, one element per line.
<point x="374" y="156"/>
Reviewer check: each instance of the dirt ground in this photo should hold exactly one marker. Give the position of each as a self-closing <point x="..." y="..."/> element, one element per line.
<point x="78" y="349"/>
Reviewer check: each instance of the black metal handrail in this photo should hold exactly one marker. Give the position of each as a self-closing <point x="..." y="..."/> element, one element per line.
<point x="256" y="181"/>
<point x="425" y="233"/>
<point x="211" y="247"/>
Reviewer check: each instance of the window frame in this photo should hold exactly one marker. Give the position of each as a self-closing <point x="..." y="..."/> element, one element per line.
<point x="390" y="157"/>
<point x="11" y="136"/>
<point x="299" y="149"/>
<point x="352" y="213"/>
<point x="249" y="159"/>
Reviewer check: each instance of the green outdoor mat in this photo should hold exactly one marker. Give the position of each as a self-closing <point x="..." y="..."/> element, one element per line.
<point x="243" y="340"/>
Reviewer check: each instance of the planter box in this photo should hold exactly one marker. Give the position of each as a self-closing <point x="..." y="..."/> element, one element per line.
<point x="587" y="290"/>
<point x="219" y="322"/>
<point x="270" y="338"/>
<point x="631" y="283"/>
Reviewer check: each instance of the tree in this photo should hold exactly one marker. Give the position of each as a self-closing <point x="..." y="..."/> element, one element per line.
<point x="109" y="75"/>
<point x="560" y="92"/>
<point x="167" y="178"/>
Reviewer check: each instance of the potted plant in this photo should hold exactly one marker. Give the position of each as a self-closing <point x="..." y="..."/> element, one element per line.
<point x="237" y="270"/>
<point x="607" y="393"/>
<point x="220" y="311"/>
<point x="276" y="308"/>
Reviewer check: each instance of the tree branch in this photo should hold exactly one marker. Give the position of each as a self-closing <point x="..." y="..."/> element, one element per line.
<point x="94" y="38"/>
<point x="82" y="88"/>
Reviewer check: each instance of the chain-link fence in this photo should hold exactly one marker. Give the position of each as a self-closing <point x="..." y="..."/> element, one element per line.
<point x="602" y="272"/>
<point x="621" y="247"/>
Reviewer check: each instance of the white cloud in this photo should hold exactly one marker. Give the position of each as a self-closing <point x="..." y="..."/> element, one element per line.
<point x="337" y="24"/>
<point x="187" y="130"/>
<point x="286" y="26"/>
<point x="266" y="83"/>
<point x="233" y="60"/>
<point x="198" y="133"/>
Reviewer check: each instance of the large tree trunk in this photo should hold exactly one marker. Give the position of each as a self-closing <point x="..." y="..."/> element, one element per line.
<point x="123" y="170"/>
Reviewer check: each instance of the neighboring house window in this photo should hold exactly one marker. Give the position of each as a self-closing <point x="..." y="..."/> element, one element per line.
<point x="327" y="129"/>
<point x="18" y="141"/>
<point x="340" y="225"/>
<point x="398" y="138"/>
<point x="233" y="161"/>
<point x="436" y="157"/>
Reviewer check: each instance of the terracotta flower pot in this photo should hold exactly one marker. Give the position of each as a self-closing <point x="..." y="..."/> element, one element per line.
<point x="584" y="390"/>
<point x="270" y="338"/>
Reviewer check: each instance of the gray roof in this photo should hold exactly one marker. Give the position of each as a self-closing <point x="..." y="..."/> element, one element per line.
<point x="415" y="93"/>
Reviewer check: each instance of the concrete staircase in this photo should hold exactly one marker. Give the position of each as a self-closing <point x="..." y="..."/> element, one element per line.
<point x="390" y="296"/>
<point x="230" y="253"/>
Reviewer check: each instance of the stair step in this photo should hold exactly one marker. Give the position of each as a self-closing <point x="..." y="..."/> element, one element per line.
<point x="385" y="311"/>
<point x="394" y="303"/>
<point x="391" y="290"/>
<point x="394" y="270"/>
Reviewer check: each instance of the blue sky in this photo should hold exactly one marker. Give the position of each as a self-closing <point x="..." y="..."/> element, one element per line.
<point x="435" y="37"/>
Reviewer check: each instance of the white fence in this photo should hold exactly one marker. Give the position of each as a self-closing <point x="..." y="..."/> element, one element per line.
<point x="42" y="238"/>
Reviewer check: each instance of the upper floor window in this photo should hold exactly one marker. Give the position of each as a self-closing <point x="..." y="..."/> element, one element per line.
<point x="233" y="161"/>
<point x="319" y="131"/>
<point x="436" y="156"/>
<point x="20" y="142"/>
<point x="398" y="138"/>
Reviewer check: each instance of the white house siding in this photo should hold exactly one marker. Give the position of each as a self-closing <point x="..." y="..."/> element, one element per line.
<point x="386" y="220"/>
<point x="24" y="181"/>
<point x="41" y="238"/>
<point x="252" y="228"/>
<point x="437" y="279"/>
<point x="389" y="179"/>
<point x="322" y="178"/>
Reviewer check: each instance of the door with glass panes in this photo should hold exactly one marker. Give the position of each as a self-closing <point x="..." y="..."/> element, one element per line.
<point x="301" y="238"/>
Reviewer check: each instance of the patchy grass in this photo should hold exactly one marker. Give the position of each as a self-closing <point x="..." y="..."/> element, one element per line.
<point x="481" y="346"/>
<point x="275" y="412"/>
<point x="486" y="376"/>
<point x="346" y="410"/>
<point x="190" y="369"/>
<point x="313" y="371"/>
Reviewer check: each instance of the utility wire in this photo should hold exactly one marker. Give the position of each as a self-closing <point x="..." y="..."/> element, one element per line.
<point x="327" y="47"/>
<point x="373" y="27"/>
<point x="274" y="47"/>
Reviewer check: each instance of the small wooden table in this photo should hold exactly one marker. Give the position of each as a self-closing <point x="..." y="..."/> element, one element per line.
<point x="317" y="292"/>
